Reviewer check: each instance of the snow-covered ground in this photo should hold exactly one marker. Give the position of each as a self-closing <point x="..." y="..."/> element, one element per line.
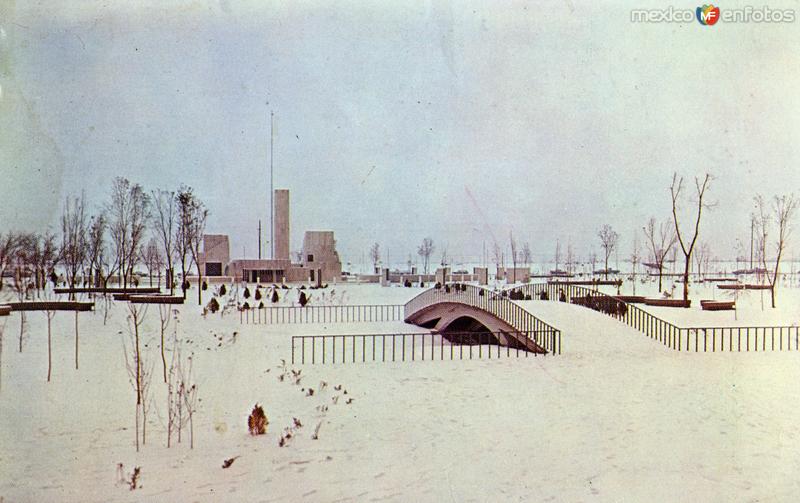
<point x="616" y="417"/>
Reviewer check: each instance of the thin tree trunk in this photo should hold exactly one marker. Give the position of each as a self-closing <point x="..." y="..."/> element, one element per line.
<point x="180" y="417"/>
<point x="199" y="287"/>
<point x="21" y="328"/>
<point x="137" y="425"/>
<point x="138" y="361"/>
<point x="170" y="414"/>
<point x="163" y="358"/>
<point x="49" y="349"/>
<point x="686" y="267"/>
<point x="76" y="340"/>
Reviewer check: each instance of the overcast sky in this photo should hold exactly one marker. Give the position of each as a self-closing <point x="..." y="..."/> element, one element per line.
<point x="463" y="121"/>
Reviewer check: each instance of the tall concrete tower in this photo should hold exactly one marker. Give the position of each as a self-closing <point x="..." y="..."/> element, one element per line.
<point x="281" y="219"/>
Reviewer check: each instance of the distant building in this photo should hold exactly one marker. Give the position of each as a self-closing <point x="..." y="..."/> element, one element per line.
<point x="319" y="253"/>
<point x="216" y="254"/>
<point x="319" y="261"/>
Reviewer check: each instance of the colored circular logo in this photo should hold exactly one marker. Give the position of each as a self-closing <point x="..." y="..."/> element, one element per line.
<point x="708" y="15"/>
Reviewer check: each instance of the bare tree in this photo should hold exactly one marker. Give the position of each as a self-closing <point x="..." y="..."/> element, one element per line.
<point x="50" y="315"/>
<point x="22" y="270"/>
<point x="164" y="221"/>
<point x="187" y="391"/>
<point x="96" y="248"/>
<point x="513" y="243"/>
<point x="659" y="244"/>
<point x="557" y="256"/>
<point x="608" y="241"/>
<point x="687" y="245"/>
<point x="43" y="254"/>
<point x="164" y="321"/>
<point x="425" y="251"/>
<point x="375" y="256"/>
<point x="128" y="210"/>
<point x="197" y="230"/>
<point x="702" y="256"/>
<point x="118" y="209"/>
<point x="192" y="216"/>
<point x="102" y="264"/>
<point x="781" y="213"/>
<point x="183" y="234"/>
<point x="527" y="256"/>
<point x="173" y="401"/>
<point x="499" y="261"/>
<point x="74" y="238"/>
<point x="636" y="256"/>
<point x="673" y="259"/>
<point x="151" y="256"/>
<point x="133" y="358"/>
<point x="181" y="393"/>
<point x="570" y="258"/>
<point x="8" y="248"/>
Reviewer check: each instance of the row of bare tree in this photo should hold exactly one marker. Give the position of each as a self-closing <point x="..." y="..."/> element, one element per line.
<point x="679" y="234"/>
<point x="157" y="229"/>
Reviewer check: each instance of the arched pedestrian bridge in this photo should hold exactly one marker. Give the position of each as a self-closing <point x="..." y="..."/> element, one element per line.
<point x="459" y="309"/>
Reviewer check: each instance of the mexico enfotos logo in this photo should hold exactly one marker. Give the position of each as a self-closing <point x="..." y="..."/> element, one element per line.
<point x="709" y="15"/>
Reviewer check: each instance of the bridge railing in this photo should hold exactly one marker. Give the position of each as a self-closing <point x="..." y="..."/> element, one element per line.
<point x="404" y="347"/>
<point x="493" y="303"/>
<point x="354" y="313"/>
<point x="697" y="339"/>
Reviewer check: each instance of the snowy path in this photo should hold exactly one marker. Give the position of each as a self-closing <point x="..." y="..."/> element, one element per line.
<point x="587" y="331"/>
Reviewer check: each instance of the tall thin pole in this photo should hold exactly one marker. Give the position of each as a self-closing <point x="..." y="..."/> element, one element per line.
<point x="271" y="189"/>
<point x="259" y="239"/>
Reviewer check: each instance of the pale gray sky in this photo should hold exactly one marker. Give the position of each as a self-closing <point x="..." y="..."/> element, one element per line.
<point x="399" y="120"/>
